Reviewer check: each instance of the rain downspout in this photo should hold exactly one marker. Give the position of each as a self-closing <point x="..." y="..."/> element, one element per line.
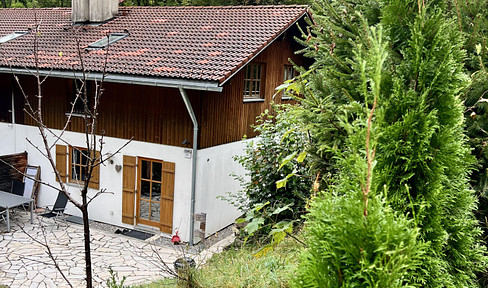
<point x="194" y="161"/>
<point x="12" y="106"/>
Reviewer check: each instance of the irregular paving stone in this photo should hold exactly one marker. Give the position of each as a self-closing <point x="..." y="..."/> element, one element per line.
<point x="25" y="263"/>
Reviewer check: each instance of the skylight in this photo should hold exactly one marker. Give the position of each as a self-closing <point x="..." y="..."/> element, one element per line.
<point x="12" y="36"/>
<point x="109" y="40"/>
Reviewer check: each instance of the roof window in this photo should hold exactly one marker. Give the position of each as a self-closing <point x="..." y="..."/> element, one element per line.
<point x="12" y="36"/>
<point x="109" y="40"/>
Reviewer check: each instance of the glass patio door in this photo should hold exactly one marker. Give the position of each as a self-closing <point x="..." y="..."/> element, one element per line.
<point x="149" y="192"/>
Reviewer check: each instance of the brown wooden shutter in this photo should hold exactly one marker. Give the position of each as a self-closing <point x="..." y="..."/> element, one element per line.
<point x="167" y="196"/>
<point x="95" y="180"/>
<point x="128" y="189"/>
<point x="61" y="154"/>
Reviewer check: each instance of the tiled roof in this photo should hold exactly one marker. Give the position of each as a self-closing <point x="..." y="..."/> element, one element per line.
<point x="197" y="43"/>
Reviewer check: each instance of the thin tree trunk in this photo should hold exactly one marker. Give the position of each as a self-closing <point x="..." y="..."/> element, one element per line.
<point x="86" y="232"/>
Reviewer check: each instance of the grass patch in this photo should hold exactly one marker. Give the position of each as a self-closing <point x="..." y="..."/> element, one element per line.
<point x="236" y="267"/>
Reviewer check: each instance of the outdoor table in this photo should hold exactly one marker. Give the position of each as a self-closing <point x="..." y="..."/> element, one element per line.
<point x="9" y="200"/>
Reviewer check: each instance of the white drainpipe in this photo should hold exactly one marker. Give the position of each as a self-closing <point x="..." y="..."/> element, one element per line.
<point x="193" y="163"/>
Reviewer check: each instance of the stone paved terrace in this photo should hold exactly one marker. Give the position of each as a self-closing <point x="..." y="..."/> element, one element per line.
<point x="24" y="263"/>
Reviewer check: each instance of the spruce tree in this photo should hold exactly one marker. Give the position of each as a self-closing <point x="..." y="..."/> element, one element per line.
<point x="422" y="158"/>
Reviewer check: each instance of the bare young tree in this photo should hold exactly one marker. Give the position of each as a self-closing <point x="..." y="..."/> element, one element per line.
<point x="93" y="147"/>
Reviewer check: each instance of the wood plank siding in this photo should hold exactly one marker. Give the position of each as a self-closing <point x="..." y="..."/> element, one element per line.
<point x="226" y="117"/>
<point x="158" y="115"/>
<point x="149" y="114"/>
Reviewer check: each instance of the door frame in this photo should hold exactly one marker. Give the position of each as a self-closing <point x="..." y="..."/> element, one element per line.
<point x="164" y="225"/>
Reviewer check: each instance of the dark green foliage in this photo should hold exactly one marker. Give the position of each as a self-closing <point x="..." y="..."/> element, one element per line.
<point x="278" y="181"/>
<point x="477" y="130"/>
<point x="355" y="242"/>
<point x="348" y="250"/>
<point x="473" y="21"/>
<point x="422" y="157"/>
<point x="209" y="2"/>
<point x="34" y="3"/>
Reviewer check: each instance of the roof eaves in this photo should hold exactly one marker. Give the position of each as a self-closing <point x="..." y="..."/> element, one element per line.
<point x="188" y="84"/>
<point x="265" y="45"/>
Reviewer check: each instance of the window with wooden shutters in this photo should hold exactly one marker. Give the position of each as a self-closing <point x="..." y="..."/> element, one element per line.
<point x="72" y="165"/>
<point x="155" y="193"/>
<point x="78" y="161"/>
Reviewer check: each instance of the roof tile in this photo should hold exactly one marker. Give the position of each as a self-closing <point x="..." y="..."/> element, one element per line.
<point x="162" y="41"/>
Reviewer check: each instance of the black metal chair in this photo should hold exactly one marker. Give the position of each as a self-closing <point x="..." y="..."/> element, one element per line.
<point x="57" y="211"/>
<point x="3" y="213"/>
<point x="17" y="188"/>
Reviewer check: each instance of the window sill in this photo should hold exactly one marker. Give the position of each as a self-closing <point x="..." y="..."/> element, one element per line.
<point x="76" y="115"/>
<point x="252" y="100"/>
<point x="74" y="183"/>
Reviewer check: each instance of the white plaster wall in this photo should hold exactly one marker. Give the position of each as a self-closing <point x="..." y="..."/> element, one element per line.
<point x="7" y="139"/>
<point x="214" y="167"/>
<point x="107" y="207"/>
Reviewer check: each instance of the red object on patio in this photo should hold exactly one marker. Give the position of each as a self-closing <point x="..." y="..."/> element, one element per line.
<point x="176" y="239"/>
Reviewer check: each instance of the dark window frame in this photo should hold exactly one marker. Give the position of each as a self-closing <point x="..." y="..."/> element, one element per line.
<point x="254" y="78"/>
<point x="76" y="166"/>
<point x="289" y="73"/>
<point x="79" y="107"/>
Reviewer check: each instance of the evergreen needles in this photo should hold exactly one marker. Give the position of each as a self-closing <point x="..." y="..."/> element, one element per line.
<point x="401" y="123"/>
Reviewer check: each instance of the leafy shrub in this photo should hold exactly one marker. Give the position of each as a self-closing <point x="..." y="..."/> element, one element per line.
<point x="278" y="182"/>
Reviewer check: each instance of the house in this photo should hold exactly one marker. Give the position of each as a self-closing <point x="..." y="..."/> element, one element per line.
<point x="185" y="83"/>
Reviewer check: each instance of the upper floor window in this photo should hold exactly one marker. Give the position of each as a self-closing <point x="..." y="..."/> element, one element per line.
<point x="253" y="88"/>
<point x="77" y="96"/>
<point x="289" y="74"/>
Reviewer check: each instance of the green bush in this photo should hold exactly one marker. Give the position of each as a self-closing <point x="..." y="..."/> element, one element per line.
<point x="277" y="185"/>
<point x="280" y="136"/>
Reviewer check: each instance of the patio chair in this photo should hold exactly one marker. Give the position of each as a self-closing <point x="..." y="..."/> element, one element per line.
<point x="17" y="188"/>
<point x="3" y="212"/>
<point x="57" y="211"/>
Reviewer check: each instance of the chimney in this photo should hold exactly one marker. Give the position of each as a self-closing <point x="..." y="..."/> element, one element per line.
<point x="93" y="10"/>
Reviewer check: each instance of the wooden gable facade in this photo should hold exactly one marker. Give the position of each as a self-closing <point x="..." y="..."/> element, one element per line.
<point x="157" y="114"/>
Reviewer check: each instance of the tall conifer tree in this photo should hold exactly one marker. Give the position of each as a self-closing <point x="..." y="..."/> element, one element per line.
<point x="422" y="159"/>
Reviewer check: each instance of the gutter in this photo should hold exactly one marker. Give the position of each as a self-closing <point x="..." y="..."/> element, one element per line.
<point x="184" y="96"/>
<point x="125" y="79"/>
